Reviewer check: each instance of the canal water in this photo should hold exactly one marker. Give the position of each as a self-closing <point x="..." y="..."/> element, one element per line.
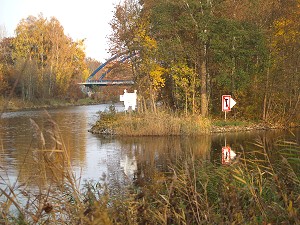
<point x="114" y="160"/>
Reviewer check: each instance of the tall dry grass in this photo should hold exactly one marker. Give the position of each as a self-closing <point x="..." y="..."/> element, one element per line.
<point x="150" y="124"/>
<point x="52" y="193"/>
<point x="263" y="187"/>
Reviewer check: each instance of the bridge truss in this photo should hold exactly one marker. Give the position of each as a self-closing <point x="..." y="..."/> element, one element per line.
<point x="90" y="82"/>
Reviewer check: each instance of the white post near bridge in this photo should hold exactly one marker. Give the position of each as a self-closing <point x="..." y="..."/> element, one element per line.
<point x="129" y="99"/>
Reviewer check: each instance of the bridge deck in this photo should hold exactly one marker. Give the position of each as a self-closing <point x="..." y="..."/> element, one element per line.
<point x="107" y="83"/>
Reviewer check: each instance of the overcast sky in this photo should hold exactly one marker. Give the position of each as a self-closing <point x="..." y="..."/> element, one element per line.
<point x="87" y="19"/>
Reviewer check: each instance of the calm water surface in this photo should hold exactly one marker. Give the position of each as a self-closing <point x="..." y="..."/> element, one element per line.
<point x="115" y="160"/>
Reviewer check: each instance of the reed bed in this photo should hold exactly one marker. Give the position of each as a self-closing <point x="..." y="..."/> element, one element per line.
<point x="51" y="193"/>
<point x="150" y="124"/>
<point x="260" y="187"/>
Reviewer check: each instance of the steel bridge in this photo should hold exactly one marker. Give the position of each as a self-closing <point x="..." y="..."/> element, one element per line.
<point x="106" y="83"/>
<point x="101" y="81"/>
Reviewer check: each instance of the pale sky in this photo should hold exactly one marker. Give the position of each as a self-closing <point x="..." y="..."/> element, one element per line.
<point x="87" y="19"/>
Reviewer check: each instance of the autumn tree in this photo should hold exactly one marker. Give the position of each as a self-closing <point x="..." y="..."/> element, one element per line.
<point x="131" y="29"/>
<point x="6" y="66"/>
<point x="181" y="28"/>
<point x="284" y="84"/>
<point x="201" y="50"/>
<point x="55" y="61"/>
<point x="3" y="84"/>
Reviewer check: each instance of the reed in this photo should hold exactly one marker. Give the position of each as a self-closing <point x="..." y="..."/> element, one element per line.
<point x="261" y="187"/>
<point x="52" y="193"/>
<point x="257" y="189"/>
<point x="150" y="124"/>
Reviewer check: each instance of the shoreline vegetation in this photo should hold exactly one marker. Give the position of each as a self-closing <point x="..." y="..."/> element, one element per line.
<point x="16" y="104"/>
<point x="260" y="187"/>
<point x="161" y="123"/>
<point x="165" y="123"/>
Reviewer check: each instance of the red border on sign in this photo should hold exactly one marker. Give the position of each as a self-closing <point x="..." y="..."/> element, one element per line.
<point x="223" y="100"/>
<point x="226" y="158"/>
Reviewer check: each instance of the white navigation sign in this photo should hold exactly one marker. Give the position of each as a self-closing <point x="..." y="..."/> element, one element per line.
<point x="227" y="103"/>
<point x="227" y="155"/>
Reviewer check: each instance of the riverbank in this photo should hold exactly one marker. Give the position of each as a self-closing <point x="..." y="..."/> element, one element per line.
<point x="244" y="126"/>
<point x="149" y="124"/>
<point x="163" y="124"/>
<point x="16" y="104"/>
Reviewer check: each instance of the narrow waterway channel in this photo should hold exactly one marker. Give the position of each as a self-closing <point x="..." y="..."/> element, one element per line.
<point x="115" y="160"/>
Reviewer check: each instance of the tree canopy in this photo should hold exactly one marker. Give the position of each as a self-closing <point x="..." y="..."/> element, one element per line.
<point x="191" y="52"/>
<point x="54" y="62"/>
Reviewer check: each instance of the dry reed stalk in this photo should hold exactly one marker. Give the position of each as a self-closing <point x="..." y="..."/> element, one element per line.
<point x="44" y="205"/>
<point x="159" y="124"/>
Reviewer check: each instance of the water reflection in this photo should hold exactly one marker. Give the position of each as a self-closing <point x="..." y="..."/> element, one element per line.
<point x="115" y="160"/>
<point x="22" y="135"/>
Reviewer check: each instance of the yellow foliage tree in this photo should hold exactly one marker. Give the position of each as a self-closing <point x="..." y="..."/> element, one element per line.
<point x="285" y="47"/>
<point x="59" y="59"/>
<point x="131" y="32"/>
<point x="287" y="29"/>
<point x="151" y="72"/>
<point x="3" y="82"/>
<point x="185" y="81"/>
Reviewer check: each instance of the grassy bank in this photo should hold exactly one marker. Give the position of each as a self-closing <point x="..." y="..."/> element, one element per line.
<point x="165" y="123"/>
<point x="161" y="123"/>
<point x="16" y="104"/>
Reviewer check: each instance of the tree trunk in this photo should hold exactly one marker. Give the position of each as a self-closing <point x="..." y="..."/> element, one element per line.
<point x="186" y="103"/>
<point x="153" y="100"/>
<point x="193" y="93"/>
<point x="265" y="112"/>
<point x="204" y="101"/>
